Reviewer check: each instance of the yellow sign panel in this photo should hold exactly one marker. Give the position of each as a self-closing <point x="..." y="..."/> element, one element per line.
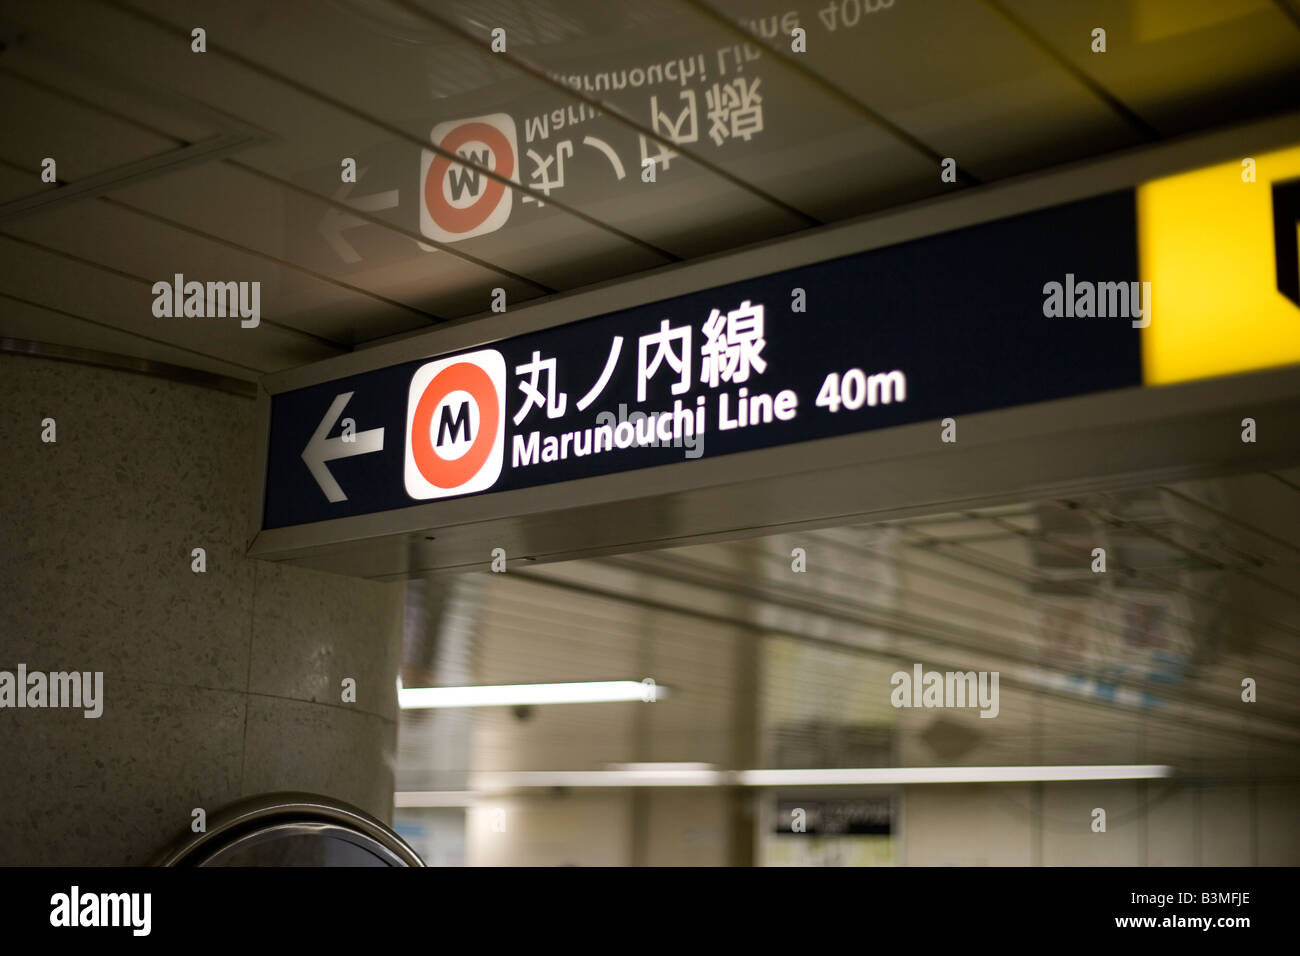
<point x="1225" y="283"/>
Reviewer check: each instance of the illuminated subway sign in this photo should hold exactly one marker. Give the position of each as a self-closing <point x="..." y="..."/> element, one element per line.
<point x="941" y="326"/>
<point x="732" y="352"/>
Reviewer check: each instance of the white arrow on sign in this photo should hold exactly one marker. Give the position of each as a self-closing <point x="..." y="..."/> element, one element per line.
<point x="321" y="449"/>
<point x="334" y="223"/>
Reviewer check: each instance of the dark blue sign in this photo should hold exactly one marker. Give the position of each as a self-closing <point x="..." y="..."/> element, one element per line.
<point x="942" y="326"/>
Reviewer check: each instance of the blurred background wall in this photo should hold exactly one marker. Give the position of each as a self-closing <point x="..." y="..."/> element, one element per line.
<point x="942" y="825"/>
<point x="772" y="668"/>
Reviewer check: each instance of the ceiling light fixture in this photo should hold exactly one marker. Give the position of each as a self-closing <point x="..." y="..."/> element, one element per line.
<point x="689" y="775"/>
<point x="519" y="695"/>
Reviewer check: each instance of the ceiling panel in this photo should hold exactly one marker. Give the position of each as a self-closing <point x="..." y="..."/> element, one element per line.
<point x="15" y="184"/>
<point x="50" y="279"/>
<point x="40" y="60"/>
<point x="1180" y="64"/>
<point x="763" y="142"/>
<point x="39" y="124"/>
<point x="332" y="64"/>
<point x="309" y="133"/>
<point x="232" y="201"/>
<point x="334" y="52"/>
<point x="742" y="112"/>
<point x="953" y="74"/>
<point x="115" y="235"/>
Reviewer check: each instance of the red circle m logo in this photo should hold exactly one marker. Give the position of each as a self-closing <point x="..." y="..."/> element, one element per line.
<point x="455" y="434"/>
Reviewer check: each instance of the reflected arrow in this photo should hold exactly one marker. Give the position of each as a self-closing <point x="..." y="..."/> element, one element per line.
<point x="334" y="223"/>
<point x="320" y="449"/>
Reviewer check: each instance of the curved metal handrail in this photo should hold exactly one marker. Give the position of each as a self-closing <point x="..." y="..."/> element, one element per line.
<point x="259" y="818"/>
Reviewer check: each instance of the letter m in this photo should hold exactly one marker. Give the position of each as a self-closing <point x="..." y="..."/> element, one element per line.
<point x="1286" y="217"/>
<point x="961" y="689"/>
<point x="884" y="387"/>
<point x="1112" y="300"/>
<point x="116" y="909"/>
<point x="461" y="177"/>
<point x="67" y="687"/>
<point x="453" y="427"/>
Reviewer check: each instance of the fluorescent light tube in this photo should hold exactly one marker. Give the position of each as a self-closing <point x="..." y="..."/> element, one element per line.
<point x="689" y="775"/>
<point x="519" y="695"/>
<point x="909" y="775"/>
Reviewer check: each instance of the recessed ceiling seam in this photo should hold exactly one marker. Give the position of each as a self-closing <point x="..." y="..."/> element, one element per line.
<point x="104" y="325"/>
<point x="121" y="274"/>
<point x="1118" y="106"/>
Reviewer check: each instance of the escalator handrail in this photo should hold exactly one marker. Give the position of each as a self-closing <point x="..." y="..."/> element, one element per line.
<point x="244" y="818"/>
